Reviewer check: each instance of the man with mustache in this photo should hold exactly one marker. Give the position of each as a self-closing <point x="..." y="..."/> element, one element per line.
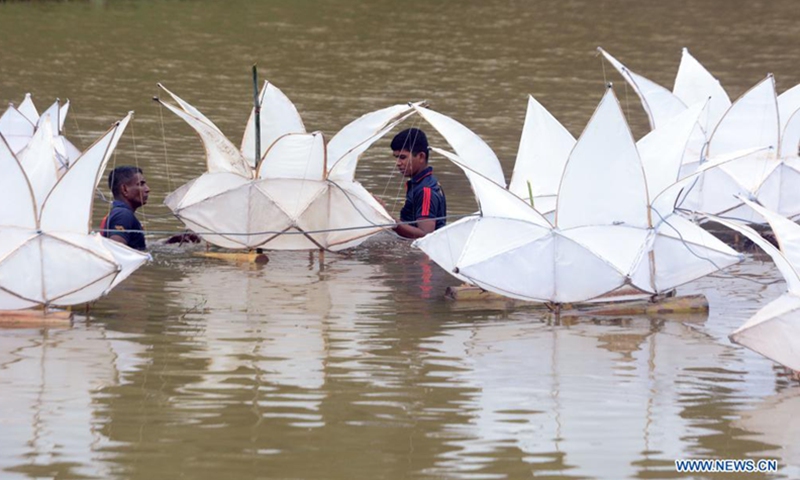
<point x="130" y="190"/>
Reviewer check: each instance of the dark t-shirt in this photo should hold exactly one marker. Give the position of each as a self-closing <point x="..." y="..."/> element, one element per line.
<point x="121" y="221"/>
<point x="424" y="199"/>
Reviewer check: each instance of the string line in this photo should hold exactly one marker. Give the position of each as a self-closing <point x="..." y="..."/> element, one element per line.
<point x="284" y="232"/>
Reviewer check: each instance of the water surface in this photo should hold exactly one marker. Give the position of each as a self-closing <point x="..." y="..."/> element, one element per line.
<point x="198" y="368"/>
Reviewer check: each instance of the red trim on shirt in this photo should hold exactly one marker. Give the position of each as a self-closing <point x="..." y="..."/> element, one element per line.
<point x="426" y="201"/>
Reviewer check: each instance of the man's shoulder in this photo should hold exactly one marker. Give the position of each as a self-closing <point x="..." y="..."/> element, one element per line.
<point x="431" y="182"/>
<point x="122" y="216"/>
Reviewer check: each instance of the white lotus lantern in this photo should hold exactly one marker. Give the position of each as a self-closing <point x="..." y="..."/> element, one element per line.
<point x="301" y="194"/>
<point x="607" y="231"/>
<point x="47" y="256"/>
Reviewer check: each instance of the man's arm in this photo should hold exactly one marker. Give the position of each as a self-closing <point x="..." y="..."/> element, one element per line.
<point x="426" y="204"/>
<point x="119" y="238"/>
<point x="424" y="227"/>
<point x="118" y="221"/>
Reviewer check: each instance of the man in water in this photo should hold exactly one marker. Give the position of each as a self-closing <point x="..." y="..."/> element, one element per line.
<point x="425" y="206"/>
<point x="130" y="192"/>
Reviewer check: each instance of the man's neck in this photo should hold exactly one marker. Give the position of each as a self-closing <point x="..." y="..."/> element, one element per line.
<point x="126" y="202"/>
<point x="418" y="174"/>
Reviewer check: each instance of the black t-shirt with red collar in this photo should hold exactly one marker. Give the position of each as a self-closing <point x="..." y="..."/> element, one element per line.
<point x="424" y="199"/>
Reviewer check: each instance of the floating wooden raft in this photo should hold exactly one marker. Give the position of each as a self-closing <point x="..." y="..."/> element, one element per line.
<point x="619" y="303"/>
<point x="238" y="257"/>
<point x="35" y="318"/>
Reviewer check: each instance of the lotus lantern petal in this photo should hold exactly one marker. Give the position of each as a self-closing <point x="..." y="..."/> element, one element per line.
<point x="774" y="331"/>
<point x="20" y="124"/>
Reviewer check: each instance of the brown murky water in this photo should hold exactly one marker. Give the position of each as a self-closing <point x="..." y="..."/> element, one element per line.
<point x="196" y="368"/>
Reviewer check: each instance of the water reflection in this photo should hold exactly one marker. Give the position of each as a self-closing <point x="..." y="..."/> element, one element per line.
<point x="276" y="327"/>
<point x="267" y="365"/>
<point x="774" y="421"/>
<point x="51" y="385"/>
<point x="551" y="397"/>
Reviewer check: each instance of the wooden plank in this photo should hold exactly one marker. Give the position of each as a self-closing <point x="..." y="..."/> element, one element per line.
<point x="686" y="304"/>
<point x="35" y="318"/>
<point x="243" y="257"/>
<point x="619" y="303"/>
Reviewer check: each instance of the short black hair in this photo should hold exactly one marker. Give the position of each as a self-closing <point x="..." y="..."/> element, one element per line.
<point x="121" y="176"/>
<point x="414" y="140"/>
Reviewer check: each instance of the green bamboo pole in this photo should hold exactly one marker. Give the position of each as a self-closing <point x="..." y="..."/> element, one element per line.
<point x="530" y="193"/>
<point x="257" y="109"/>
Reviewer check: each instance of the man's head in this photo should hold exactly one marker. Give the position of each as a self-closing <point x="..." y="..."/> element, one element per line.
<point x="410" y="150"/>
<point x="128" y="185"/>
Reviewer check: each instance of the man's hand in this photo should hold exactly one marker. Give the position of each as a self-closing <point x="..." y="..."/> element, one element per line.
<point x="185" y="237"/>
<point x="383" y="204"/>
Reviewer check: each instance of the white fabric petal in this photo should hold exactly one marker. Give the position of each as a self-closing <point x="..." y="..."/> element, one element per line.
<point x="16" y="128"/>
<point x="495" y="200"/>
<point x="499" y="236"/>
<point x="347" y="146"/>
<point x="202" y="188"/>
<point x="62" y="116"/>
<point x="700" y="191"/>
<point x="20" y="270"/>
<point x="294" y="196"/>
<point x="543" y="151"/>
<point x="604" y="183"/>
<point x="9" y="301"/>
<point x="694" y="84"/>
<point x="52" y="114"/>
<point x="752" y="121"/>
<point x="522" y="263"/>
<point x="787" y="269"/>
<point x="355" y="212"/>
<point x="774" y="331"/>
<point x="278" y="117"/>
<point x="620" y="246"/>
<point x="17" y="205"/>
<point x="221" y="155"/>
<point x="127" y="259"/>
<point x="788" y="203"/>
<point x="681" y="252"/>
<point x="750" y="172"/>
<point x="445" y="245"/>
<point x="190" y="110"/>
<point x="28" y="109"/>
<point x="297" y="156"/>
<point x="72" y="263"/>
<point x="788" y="105"/>
<point x="40" y="163"/>
<point x="243" y="226"/>
<point x="473" y="151"/>
<point x="662" y="150"/>
<point x="659" y="103"/>
<point x="68" y="207"/>
<point x="790" y="139"/>
<point x="786" y="232"/>
<point x="548" y="268"/>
